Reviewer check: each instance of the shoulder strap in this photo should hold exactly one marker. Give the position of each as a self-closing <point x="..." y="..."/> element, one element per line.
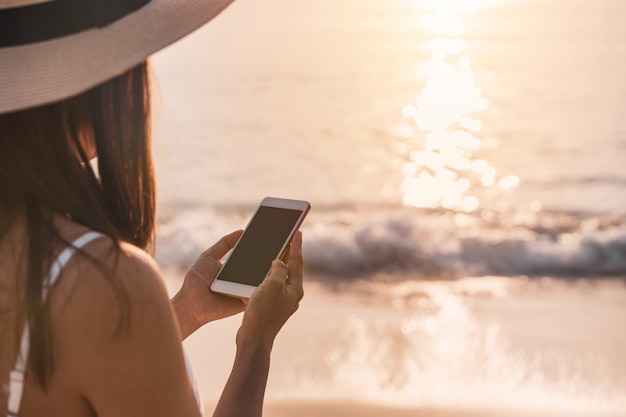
<point x="16" y="383"/>
<point x="62" y="260"/>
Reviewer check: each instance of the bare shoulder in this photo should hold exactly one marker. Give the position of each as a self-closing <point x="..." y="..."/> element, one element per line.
<point x="116" y="335"/>
<point x="105" y="286"/>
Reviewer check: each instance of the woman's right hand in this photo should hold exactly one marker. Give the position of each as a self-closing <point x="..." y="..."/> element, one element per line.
<point x="269" y="307"/>
<point x="276" y="299"/>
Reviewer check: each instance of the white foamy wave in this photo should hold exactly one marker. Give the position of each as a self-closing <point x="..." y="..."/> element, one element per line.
<point x="405" y="240"/>
<point x="350" y="243"/>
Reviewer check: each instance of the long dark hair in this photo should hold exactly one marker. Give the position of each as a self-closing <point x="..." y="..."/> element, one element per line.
<point x="45" y="171"/>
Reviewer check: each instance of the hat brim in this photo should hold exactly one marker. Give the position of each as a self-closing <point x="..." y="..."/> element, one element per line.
<point x="45" y="72"/>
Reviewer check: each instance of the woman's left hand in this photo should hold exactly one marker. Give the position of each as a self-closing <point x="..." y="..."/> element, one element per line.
<point x="195" y="304"/>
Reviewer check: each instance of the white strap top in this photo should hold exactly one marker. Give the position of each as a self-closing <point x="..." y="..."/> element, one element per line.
<point x="16" y="382"/>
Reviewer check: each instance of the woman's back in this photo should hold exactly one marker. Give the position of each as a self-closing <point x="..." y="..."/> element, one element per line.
<point x="100" y="357"/>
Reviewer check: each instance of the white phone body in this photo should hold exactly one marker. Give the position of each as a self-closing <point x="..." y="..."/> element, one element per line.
<point x="266" y="237"/>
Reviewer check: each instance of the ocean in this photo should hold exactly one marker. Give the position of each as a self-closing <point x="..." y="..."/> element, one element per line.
<point x="466" y="250"/>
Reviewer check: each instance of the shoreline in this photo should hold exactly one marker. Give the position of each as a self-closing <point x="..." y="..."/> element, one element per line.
<point x="310" y="408"/>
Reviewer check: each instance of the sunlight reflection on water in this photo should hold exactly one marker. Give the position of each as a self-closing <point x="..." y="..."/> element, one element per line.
<point x="463" y="344"/>
<point x="444" y="120"/>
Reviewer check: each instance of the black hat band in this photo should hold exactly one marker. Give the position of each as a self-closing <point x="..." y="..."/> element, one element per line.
<point x="54" y="19"/>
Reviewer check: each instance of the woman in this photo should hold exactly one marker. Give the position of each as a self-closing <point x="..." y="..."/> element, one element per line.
<point x="85" y="323"/>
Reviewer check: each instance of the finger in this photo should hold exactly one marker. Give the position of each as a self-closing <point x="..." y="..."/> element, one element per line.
<point x="296" y="260"/>
<point x="279" y="271"/>
<point x="285" y="257"/>
<point x="226" y="243"/>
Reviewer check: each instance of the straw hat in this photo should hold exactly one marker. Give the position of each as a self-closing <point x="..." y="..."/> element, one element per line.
<point x="53" y="49"/>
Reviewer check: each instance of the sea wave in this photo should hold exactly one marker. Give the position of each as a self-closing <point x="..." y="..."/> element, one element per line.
<point x="403" y="243"/>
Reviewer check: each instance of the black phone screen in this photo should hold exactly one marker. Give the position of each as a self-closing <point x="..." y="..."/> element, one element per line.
<point x="259" y="245"/>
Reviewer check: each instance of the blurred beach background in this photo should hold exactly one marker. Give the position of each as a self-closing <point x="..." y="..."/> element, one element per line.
<point x="465" y="160"/>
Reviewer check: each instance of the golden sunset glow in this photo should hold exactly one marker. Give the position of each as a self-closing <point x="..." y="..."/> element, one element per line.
<point x="465" y="250"/>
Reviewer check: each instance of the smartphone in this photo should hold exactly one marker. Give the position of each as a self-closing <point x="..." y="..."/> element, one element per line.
<point x="266" y="237"/>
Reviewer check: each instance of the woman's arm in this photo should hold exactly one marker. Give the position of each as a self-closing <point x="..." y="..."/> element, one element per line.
<point x="274" y="301"/>
<point x="245" y="389"/>
<point x="267" y="310"/>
